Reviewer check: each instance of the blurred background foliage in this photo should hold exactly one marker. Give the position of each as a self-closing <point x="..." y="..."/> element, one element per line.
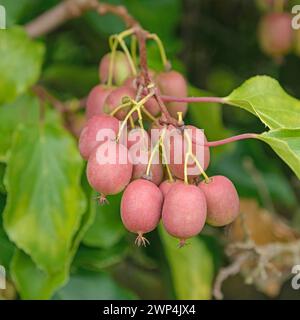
<point x="214" y="43"/>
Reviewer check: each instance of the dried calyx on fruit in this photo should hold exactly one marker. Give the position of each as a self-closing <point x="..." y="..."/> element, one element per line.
<point x="123" y="156"/>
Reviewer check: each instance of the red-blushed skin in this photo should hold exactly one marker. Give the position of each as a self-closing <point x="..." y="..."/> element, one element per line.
<point x="114" y="99"/>
<point x="166" y="186"/>
<point x="121" y="70"/>
<point x="136" y="136"/>
<point x="172" y="83"/>
<point x="223" y="204"/>
<point x="275" y="34"/>
<point x="141" y="207"/>
<point x="184" y="211"/>
<point x="139" y="169"/>
<point x="96" y="99"/>
<point x="88" y="137"/>
<point x="131" y="83"/>
<point x="153" y="107"/>
<point x="197" y="137"/>
<point x="109" y="178"/>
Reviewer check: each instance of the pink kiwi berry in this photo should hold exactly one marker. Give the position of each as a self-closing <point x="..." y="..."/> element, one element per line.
<point x="223" y="205"/>
<point x="131" y="83"/>
<point x="140" y="158"/>
<point x="109" y="168"/>
<point x="96" y="99"/>
<point x="177" y="146"/>
<point x="141" y="207"/>
<point x="184" y="211"/>
<point x="138" y="136"/>
<point x="166" y="186"/>
<point x="172" y="83"/>
<point x="117" y="97"/>
<point x="121" y="70"/>
<point x="152" y="106"/>
<point x="97" y="130"/>
<point x="275" y="34"/>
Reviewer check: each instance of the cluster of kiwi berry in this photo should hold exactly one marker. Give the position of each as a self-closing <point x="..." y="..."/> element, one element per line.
<point x="153" y="190"/>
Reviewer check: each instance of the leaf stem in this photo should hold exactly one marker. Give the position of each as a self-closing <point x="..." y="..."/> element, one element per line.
<point x="192" y="99"/>
<point x="162" y="50"/>
<point x="231" y="139"/>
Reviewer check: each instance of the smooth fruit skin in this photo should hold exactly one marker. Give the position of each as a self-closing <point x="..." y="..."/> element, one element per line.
<point x="184" y="211"/>
<point x="136" y="137"/>
<point x="172" y="83"/>
<point x="121" y="70"/>
<point x="88" y="137"/>
<point x="96" y="99"/>
<point x="115" y="99"/>
<point x="153" y="107"/>
<point x="177" y="139"/>
<point x="109" y="178"/>
<point x="275" y="34"/>
<point x="223" y="204"/>
<point x="141" y="206"/>
<point x="140" y="157"/>
<point x="166" y="186"/>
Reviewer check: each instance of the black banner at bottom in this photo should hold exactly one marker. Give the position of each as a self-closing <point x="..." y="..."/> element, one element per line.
<point x="104" y="309"/>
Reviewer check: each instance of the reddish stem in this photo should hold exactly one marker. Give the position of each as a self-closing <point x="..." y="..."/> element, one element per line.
<point x="192" y="99"/>
<point x="231" y="139"/>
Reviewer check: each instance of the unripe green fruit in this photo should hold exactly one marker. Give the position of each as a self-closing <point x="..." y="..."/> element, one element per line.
<point x="109" y="178"/>
<point x="121" y="69"/>
<point x="223" y="204"/>
<point x="89" y="138"/>
<point x="96" y="99"/>
<point x="172" y="83"/>
<point x="141" y="207"/>
<point x="116" y="98"/>
<point x="184" y="211"/>
<point x="275" y="34"/>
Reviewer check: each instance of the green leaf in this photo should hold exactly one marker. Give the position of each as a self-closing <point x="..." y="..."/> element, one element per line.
<point x="23" y="110"/>
<point x="192" y="267"/>
<point x="32" y="282"/>
<point x="107" y="228"/>
<point x="45" y="202"/>
<point x="286" y="143"/>
<point x="2" y="172"/>
<point x="25" y="272"/>
<point x="265" y="98"/>
<point x="6" y="247"/>
<point x="97" y="259"/>
<point x="87" y="285"/>
<point x="20" y="63"/>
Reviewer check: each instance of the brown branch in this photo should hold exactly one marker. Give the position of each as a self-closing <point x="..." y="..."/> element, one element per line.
<point x="70" y="9"/>
<point x="55" y="17"/>
<point x="120" y="11"/>
<point x="44" y="96"/>
<point x="227" y="272"/>
<point x="263" y="256"/>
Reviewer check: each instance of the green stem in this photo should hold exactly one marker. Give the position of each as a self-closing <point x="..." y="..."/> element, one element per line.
<point x="162" y="50"/>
